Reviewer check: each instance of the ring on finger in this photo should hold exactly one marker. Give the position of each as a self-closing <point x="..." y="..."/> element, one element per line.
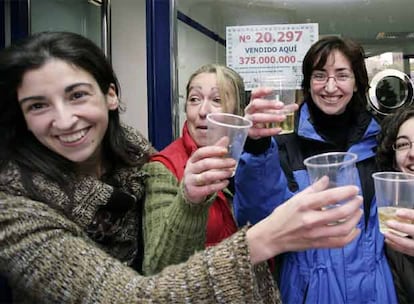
<point x="199" y="180"/>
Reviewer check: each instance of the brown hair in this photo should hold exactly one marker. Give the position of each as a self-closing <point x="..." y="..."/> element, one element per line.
<point x="319" y="53"/>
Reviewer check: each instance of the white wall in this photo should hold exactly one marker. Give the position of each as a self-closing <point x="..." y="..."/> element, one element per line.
<point x="194" y="48"/>
<point x="129" y="59"/>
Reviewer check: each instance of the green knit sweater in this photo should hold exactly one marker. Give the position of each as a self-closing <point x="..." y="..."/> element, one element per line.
<point x="173" y="228"/>
<point x="50" y="259"/>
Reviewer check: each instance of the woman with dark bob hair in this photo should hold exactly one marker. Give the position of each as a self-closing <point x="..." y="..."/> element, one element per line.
<point x="333" y="117"/>
<point x="71" y="191"/>
<point x="395" y="153"/>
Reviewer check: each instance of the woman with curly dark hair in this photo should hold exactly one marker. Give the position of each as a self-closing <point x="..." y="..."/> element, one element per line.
<point x="386" y="154"/>
<point x="396" y="153"/>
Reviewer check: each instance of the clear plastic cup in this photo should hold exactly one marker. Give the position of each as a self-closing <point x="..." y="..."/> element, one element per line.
<point x="393" y="190"/>
<point x="284" y="90"/>
<point x="339" y="167"/>
<point x="232" y="126"/>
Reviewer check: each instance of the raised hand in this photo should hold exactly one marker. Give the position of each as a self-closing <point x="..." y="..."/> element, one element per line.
<point x="207" y="171"/>
<point x="399" y="243"/>
<point x="263" y="112"/>
<point x="301" y="223"/>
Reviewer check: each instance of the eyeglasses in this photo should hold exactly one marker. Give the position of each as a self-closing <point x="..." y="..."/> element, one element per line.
<point x="322" y="77"/>
<point x="402" y="144"/>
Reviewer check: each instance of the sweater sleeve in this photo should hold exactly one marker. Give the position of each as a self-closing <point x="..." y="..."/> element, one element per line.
<point x="173" y="228"/>
<point x="48" y="259"/>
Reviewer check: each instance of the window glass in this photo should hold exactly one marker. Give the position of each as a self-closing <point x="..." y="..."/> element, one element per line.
<point x="79" y="16"/>
<point x="384" y="28"/>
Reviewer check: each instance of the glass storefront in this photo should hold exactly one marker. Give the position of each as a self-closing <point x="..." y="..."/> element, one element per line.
<point x="385" y="29"/>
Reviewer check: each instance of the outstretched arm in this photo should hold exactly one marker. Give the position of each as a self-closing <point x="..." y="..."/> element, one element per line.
<point x="303" y="222"/>
<point x="51" y="260"/>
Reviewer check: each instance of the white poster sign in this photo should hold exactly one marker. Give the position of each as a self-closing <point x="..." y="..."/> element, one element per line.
<point x="276" y="49"/>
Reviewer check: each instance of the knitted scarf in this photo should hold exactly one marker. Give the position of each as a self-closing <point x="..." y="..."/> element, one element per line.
<point x="108" y="210"/>
<point x="220" y="222"/>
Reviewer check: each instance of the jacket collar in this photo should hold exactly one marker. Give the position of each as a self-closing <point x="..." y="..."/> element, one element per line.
<point x="368" y="140"/>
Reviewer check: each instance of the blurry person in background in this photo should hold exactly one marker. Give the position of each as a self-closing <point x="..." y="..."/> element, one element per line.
<point x="395" y="153"/>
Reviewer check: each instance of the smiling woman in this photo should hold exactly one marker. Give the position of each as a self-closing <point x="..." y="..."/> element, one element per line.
<point x="71" y="187"/>
<point x="333" y="85"/>
<point x="64" y="145"/>
<point x="332" y="118"/>
<point x="66" y="111"/>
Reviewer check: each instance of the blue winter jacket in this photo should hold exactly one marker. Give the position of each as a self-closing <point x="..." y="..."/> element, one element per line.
<point x="357" y="273"/>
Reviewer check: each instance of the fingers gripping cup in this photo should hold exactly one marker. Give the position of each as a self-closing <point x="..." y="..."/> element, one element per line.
<point x="284" y="90"/>
<point x="232" y="126"/>
<point x="339" y="167"/>
<point x="393" y="190"/>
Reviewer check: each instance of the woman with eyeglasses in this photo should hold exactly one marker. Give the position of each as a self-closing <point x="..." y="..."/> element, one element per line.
<point x="396" y="153"/>
<point x="332" y="117"/>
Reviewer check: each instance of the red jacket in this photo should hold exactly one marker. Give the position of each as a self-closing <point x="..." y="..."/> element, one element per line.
<point x="220" y="222"/>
